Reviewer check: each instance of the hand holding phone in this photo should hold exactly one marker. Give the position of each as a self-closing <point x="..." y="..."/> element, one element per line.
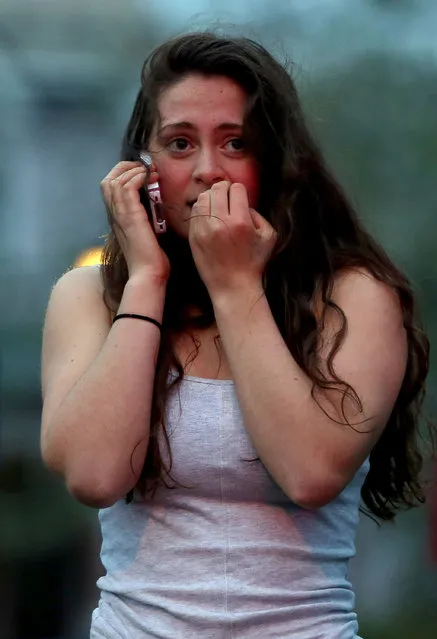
<point x="159" y="223"/>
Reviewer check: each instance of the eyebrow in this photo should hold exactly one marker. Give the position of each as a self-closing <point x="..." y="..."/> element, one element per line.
<point x="224" y="126"/>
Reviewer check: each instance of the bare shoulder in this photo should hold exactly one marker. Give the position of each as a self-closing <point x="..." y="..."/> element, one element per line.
<point x="372" y="354"/>
<point x="77" y="322"/>
<point x="84" y="280"/>
<point x="360" y="295"/>
<point x="375" y="339"/>
<point x="373" y="310"/>
<point x="78" y="291"/>
<point x="359" y="286"/>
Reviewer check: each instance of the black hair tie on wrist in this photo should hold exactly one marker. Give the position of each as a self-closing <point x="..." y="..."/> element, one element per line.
<point x="136" y="316"/>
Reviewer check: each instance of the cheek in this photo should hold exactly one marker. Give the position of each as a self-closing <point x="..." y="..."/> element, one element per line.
<point x="172" y="180"/>
<point x="252" y="186"/>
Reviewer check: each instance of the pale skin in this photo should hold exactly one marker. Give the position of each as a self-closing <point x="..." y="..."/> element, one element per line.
<point x="97" y="378"/>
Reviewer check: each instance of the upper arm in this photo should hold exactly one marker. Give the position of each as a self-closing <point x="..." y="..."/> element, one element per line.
<point x="371" y="359"/>
<point x="76" y="325"/>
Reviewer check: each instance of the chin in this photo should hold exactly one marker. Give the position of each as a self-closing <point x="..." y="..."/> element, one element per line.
<point x="175" y="238"/>
<point x="181" y="229"/>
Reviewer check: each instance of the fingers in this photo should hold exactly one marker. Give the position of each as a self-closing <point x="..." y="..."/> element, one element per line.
<point x="123" y="182"/>
<point x="136" y="175"/>
<point x="126" y="202"/>
<point x="120" y="168"/>
<point x="230" y="199"/>
<point x="120" y="189"/>
<point x="223" y="200"/>
<point x="239" y="202"/>
<point x="219" y="199"/>
<point x="203" y="205"/>
<point x="123" y="171"/>
<point x="264" y="229"/>
<point x="128" y="217"/>
<point x="255" y="218"/>
<point x="127" y="176"/>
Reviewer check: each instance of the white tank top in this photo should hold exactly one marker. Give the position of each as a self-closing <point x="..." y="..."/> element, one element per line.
<point x="227" y="555"/>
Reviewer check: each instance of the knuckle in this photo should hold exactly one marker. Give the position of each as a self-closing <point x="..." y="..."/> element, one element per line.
<point x="223" y="185"/>
<point x="236" y="185"/>
<point x="120" y="183"/>
<point x="217" y="227"/>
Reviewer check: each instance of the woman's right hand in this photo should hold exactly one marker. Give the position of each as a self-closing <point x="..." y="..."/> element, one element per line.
<point x="120" y="189"/>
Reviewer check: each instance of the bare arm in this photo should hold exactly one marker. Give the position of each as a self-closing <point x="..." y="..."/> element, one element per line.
<point x="97" y="379"/>
<point x="304" y="443"/>
<point x="97" y="384"/>
<point x="310" y="455"/>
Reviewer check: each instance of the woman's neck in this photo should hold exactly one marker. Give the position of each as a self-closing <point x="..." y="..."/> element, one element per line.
<point x="187" y="301"/>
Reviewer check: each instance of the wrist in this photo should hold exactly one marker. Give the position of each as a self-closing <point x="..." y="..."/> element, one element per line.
<point x="147" y="279"/>
<point x="237" y="300"/>
<point x="144" y="295"/>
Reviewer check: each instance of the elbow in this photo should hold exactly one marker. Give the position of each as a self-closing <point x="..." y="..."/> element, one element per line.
<point x="89" y="483"/>
<point x="99" y="487"/>
<point x="312" y="493"/>
<point x="88" y="489"/>
<point x="92" y="496"/>
<point x="93" y="493"/>
<point x="51" y="457"/>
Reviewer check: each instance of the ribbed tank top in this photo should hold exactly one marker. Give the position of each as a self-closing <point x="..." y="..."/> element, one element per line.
<point x="225" y="555"/>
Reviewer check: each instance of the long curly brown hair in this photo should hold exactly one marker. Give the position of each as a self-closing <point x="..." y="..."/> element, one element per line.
<point x="318" y="235"/>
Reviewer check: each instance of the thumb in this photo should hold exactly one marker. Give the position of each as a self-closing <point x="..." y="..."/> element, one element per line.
<point x="257" y="218"/>
<point x="260" y="223"/>
<point x="264" y="228"/>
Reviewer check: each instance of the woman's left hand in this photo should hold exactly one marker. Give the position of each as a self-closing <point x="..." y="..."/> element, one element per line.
<point x="230" y="242"/>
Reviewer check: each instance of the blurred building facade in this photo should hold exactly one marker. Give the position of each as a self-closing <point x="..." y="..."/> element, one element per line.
<point x="68" y="76"/>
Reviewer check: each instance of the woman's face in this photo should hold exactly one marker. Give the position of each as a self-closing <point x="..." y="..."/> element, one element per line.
<point x="197" y="141"/>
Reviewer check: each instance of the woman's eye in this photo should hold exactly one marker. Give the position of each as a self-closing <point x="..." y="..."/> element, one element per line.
<point x="236" y="144"/>
<point x="179" y="144"/>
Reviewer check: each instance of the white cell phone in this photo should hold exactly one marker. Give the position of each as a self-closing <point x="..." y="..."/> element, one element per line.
<point x="156" y="208"/>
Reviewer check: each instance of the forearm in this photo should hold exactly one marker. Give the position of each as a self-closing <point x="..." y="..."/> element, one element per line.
<point x="288" y="429"/>
<point x="98" y="436"/>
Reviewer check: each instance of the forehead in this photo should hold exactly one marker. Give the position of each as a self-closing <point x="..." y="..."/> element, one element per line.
<point x="199" y="98"/>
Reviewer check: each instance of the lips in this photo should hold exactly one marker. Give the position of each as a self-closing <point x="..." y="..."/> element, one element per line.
<point x="191" y="202"/>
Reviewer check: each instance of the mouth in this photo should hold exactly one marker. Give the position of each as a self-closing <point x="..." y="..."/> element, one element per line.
<point x="188" y="208"/>
<point x="193" y="201"/>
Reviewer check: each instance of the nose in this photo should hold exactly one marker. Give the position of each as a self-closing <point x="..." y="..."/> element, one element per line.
<point x="208" y="168"/>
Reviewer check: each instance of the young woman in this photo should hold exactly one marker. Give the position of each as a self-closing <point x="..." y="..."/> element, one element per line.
<point x="227" y="391"/>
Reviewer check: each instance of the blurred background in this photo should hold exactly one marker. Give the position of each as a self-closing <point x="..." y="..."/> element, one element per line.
<point x="367" y="73"/>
